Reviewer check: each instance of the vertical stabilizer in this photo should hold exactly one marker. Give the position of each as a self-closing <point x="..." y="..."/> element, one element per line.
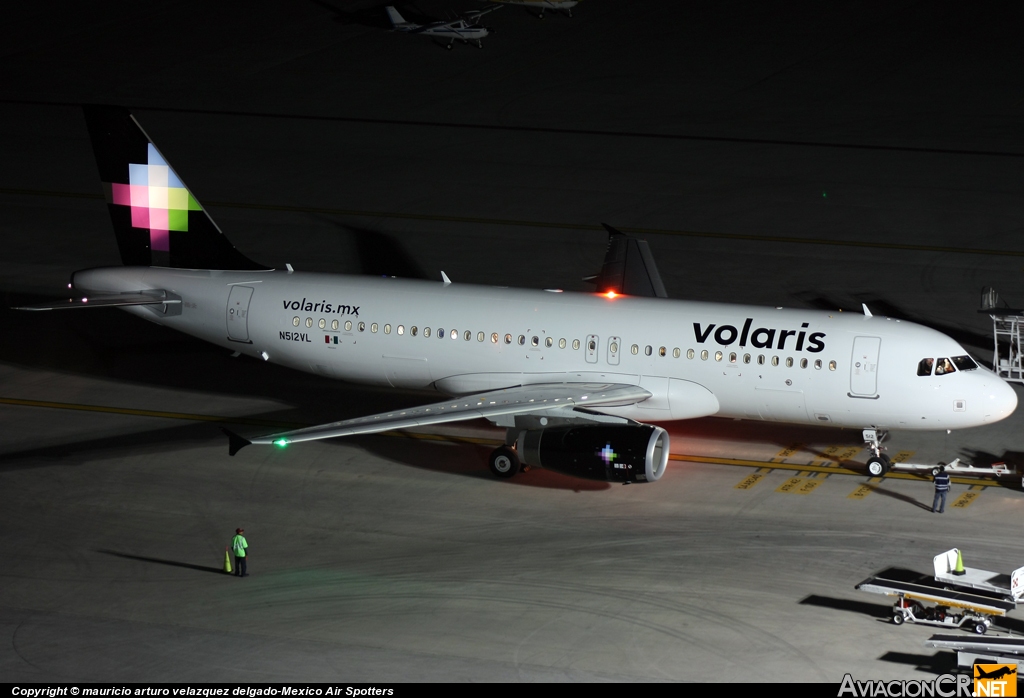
<point x="629" y="267"/>
<point x="156" y="219"/>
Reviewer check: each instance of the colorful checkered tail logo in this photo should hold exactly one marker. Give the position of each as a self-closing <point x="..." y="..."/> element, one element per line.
<point x="157" y="220"/>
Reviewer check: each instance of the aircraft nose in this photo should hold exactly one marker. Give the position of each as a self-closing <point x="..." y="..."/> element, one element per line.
<point x="1001" y="400"/>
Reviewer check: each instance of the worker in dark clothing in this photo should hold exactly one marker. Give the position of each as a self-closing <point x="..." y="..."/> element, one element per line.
<point x="239" y="544"/>
<point x="941" y="489"/>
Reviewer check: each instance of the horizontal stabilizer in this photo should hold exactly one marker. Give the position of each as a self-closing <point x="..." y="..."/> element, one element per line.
<point x="629" y="267"/>
<point x="235" y="442"/>
<point x="109" y="300"/>
<point x="525" y="399"/>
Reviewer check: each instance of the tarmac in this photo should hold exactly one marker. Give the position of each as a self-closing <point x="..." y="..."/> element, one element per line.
<point x="809" y="156"/>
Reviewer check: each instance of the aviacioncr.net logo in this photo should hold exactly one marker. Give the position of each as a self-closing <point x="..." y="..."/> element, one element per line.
<point x="945" y="686"/>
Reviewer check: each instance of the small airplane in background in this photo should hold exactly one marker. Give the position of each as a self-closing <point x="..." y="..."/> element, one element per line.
<point x="557" y="5"/>
<point x="465" y="28"/>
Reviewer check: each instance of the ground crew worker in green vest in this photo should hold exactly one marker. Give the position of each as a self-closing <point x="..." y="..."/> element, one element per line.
<point x="239" y="544"/>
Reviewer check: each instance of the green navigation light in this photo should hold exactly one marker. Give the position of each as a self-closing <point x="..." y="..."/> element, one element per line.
<point x="281" y="443"/>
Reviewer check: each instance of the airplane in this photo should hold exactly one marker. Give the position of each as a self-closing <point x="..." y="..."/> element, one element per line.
<point x="465" y="28"/>
<point x="557" y="5"/>
<point x="580" y="381"/>
<point x="1005" y="670"/>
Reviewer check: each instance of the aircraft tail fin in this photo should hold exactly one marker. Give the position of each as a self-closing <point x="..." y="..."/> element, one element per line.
<point x="156" y="219"/>
<point x="629" y="267"/>
<point x="396" y="19"/>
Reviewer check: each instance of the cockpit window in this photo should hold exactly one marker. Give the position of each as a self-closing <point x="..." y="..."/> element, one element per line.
<point x="924" y="368"/>
<point x="964" y="363"/>
<point x="943" y="366"/>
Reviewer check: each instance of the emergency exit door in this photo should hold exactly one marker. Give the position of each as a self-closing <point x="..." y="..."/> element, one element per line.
<point x="238" y="313"/>
<point x="864" y="367"/>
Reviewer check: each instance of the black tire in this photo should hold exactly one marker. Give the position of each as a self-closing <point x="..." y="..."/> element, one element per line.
<point x="878" y="465"/>
<point x="897" y="618"/>
<point x="980" y="628"/>
<point x="504" y="462"/>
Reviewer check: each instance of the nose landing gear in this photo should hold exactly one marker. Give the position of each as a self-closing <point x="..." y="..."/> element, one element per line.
<point x="879" y="463"/>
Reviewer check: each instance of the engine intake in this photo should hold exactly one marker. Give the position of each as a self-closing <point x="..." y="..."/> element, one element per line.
<point x="611" y="453"/>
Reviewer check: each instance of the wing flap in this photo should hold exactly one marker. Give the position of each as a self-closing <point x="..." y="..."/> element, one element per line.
<point x="527" y="399"/>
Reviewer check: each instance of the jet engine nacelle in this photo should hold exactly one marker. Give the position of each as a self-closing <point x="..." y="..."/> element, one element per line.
<point x="612" y="453"/>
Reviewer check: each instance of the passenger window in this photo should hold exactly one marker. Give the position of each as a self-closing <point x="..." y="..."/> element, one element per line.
<point x="592" y="345"/>
<point x="387" y="329"/>
<point x="964" y="363"/>
<point x="426" y="331"/>
<point x="943" y="366"/>
<point x="732" y="357"/>
<point x="924" y="367"/>
<point x="548" y="342"/>
<point x="413" y="330"/>
<point x="455" y="334"/>
<point x="535" y="341"/>
<point x="348" y="326"/>
<point x="789" y="362"/>
<point x="817" y="364"/>
<point x="704" y="355"/>
<point x="373" y="327"/>
<point x="480" y="336"/>
<point x="440" y="333"/>
<point x="803" y="363"/>
<point x="309" y="322"/>
<point x="648" y="350"/>
<point x="661" y="351"/>
<point x="322" y="324"/>
<point x="575" y="344"/>
<point x="296" y="321"/>
<point x="746" y="358"/>
<point x="760" y="359"/>
<point x="775" y="361"/>
<point x="676" y="353"/>
<point x="635" y="349"/>
<point x="334" y="325"/>
<point x="522" y="340"/>
<point x="494" y="337"/>
<point x="718" y="356"/>
<point x="401" y="329"/>
<point x="561" y="344"/>
<point x="508" y="339"/>
<point x="362" y="326"/>
<point x="831" y="365"/>
<point x="689" y="353"/>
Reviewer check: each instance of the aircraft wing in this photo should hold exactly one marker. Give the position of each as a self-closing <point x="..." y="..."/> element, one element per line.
<point x="475" y="14"/>
<point x="110" y="300"/>
<point x="526" y="399"/>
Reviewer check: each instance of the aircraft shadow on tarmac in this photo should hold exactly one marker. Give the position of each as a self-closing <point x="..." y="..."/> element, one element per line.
<point x="875" y="610"/>
<point x="463" y="459"/>
<point x="158" y="561"/>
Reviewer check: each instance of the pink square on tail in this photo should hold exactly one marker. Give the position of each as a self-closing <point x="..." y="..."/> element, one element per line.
<point x="140" y="217"/>
<point x="121" y="194"/>
<point x="159" y="240"/>
<point x="158" y="219"/>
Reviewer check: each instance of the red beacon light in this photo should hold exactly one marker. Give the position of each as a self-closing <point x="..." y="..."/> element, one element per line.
<point x="610" y="294"/>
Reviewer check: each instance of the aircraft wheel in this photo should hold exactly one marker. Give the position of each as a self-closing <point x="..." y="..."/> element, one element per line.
<point x="897" y="618"/>
<point x="878" y="465"/>
<point x="504" y="462"/>
<point x="449" y="47"/>
<point x="980" y="628"/>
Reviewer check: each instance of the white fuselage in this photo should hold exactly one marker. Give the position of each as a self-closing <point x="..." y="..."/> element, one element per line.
<point x="697" y="359"/>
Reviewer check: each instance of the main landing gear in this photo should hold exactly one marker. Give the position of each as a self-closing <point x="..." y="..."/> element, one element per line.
<point x="504" y="462"/>
<point x="879" y="463"/>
